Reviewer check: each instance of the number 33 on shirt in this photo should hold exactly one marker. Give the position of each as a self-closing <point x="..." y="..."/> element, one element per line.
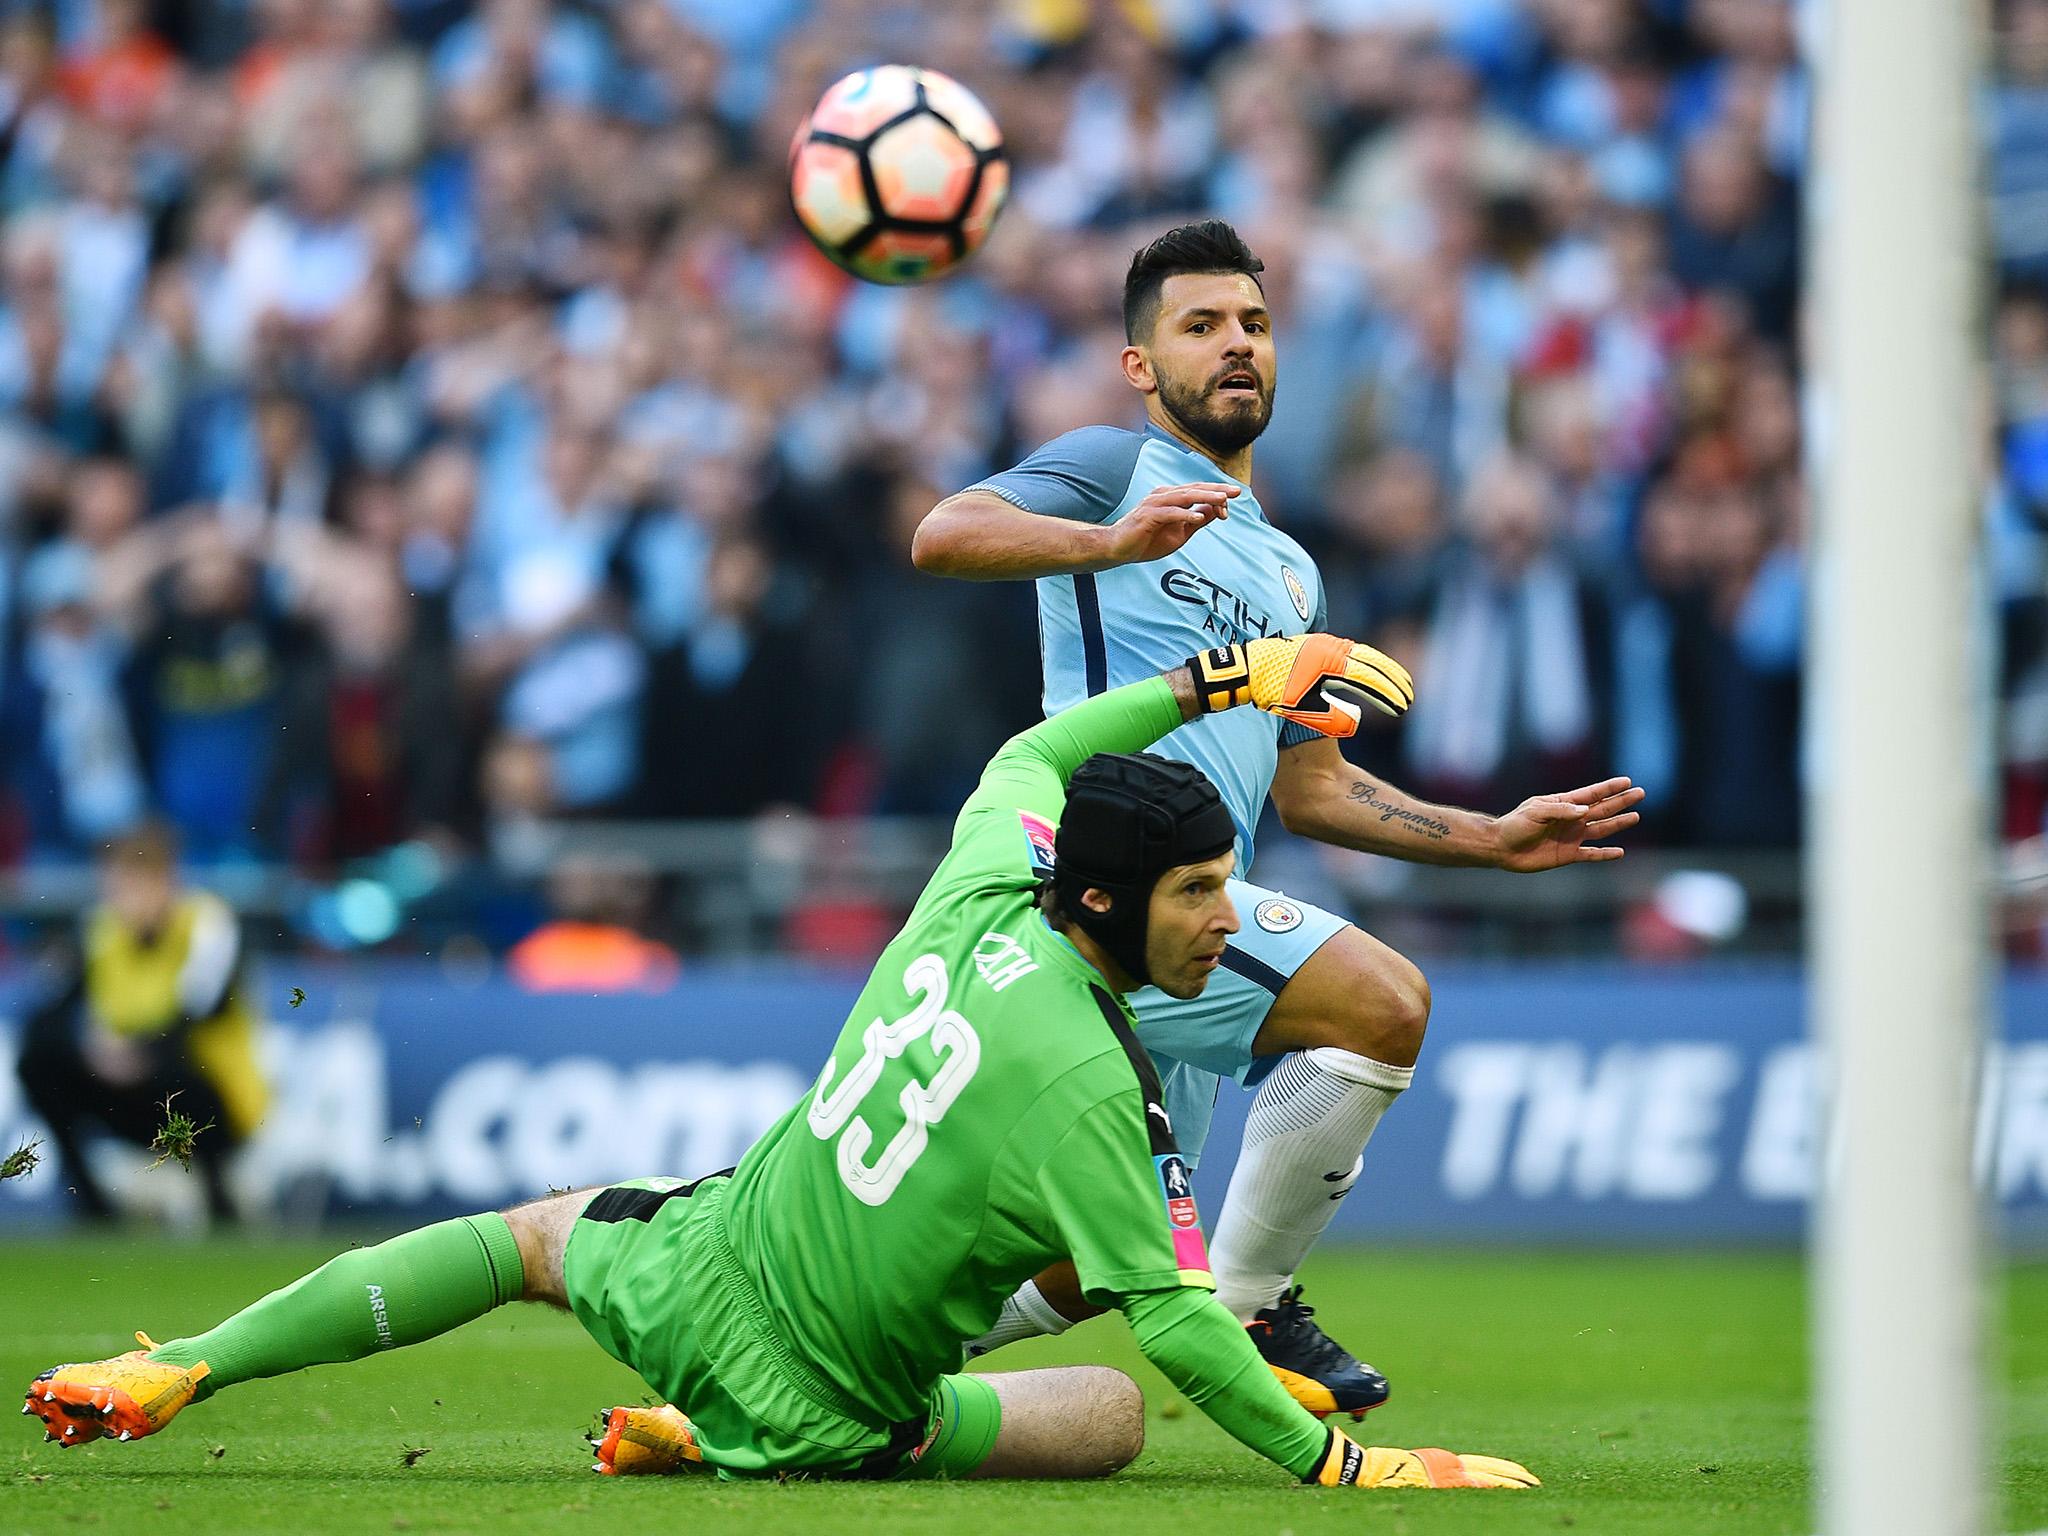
<point x="834" y="1108"/>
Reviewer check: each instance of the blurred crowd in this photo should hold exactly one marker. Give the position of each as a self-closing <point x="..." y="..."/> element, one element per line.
<point x="421" y="418"/>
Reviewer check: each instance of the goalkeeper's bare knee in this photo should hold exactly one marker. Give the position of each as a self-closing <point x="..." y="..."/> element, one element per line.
<point x="1070" y="1421"/>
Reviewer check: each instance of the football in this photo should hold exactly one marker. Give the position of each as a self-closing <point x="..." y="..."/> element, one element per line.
<point x="898" y="174"/>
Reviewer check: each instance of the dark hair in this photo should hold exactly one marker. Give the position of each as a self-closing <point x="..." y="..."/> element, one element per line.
<point x="1209" y="246"/>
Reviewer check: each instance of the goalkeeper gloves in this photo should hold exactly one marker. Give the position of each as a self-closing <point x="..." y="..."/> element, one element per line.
<point x="1320" y="681"/>
<point x="1348" y="1464"/>
<point x="633" y="1441"/>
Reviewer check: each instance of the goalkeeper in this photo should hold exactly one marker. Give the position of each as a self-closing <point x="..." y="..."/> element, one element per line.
<point x="986" y="1111"/>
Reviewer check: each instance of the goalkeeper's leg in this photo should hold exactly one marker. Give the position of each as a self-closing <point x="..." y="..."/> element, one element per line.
<point x="399" y="1292"/>
<point x="1065" y="1421"/>
<point x="404" y="1291"/>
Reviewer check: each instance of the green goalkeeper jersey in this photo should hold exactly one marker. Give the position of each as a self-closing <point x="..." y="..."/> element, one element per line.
<point x="986" y="1111"/>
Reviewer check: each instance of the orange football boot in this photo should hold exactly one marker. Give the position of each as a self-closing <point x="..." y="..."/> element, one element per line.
<point x="124" y="1398"/>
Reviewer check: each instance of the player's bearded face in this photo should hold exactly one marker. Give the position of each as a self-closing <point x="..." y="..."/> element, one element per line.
<point x="1212" y="359"/>
<point x="1225" y="417"/>
<point x="1190" y="919"/>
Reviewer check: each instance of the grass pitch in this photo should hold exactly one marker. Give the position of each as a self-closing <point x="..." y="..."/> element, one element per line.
<point x="1656" y="1394"/>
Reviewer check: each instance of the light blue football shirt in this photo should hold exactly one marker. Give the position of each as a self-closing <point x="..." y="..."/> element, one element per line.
<point x="1238" y="579"/>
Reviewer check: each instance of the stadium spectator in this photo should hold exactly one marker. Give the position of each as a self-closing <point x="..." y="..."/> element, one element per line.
<point x="1723" y="624"/>
<point x="923" y="761"/>
<point x="1512" y="669"/>
<point x="1565" y="437"/>
<point x="1646" y="721"/>
<point x="364" y="756"/>
<point x="545" y="639"/>
<point x="313" y="56"/>
<point x="122" y="75"/>
<point x="592" y="941"/>
<point x="73" y="762"/>
<point x="1319" y="294"/>
<point x="48" y="374"/>
<point x="1138" y="137"/>
<point x="439" y="497"/>
<point x="33" y="112"/>
<point x="147" y="1010"/>
<point x="1447" y="139"/>
<point x="1739" y="678"/>
<point x="1388" y="542"/>
<point x="1430" y="392"/>
<point x="300" y="256"/>
<point x="2017" y="130"/>
<point x="104" y="503"/>
<point x="722" y="738"/>
<point x="210" y="658"/>
<point x="1735" y="231"/>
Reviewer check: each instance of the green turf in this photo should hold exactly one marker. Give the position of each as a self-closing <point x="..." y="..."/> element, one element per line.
<point x="1655" y="1394"/>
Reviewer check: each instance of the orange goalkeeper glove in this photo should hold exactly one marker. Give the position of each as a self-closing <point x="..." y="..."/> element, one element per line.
<point x="1347" y="1464"/>
<point x="1320" y="681"/>
<point x="631" y="1442"/>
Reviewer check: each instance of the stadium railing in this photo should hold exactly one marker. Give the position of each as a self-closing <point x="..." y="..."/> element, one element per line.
<point x="737" y="888"/>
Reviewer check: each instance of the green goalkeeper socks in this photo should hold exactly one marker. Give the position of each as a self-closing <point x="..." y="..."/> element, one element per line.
<point x="401" y="1292"/>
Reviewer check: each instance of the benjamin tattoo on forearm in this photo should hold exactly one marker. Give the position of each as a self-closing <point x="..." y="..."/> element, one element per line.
<point x="1368" y="795"/>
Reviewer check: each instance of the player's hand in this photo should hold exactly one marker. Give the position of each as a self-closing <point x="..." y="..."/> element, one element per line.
<point x="635" y="1442"/>
<point x="1165" y="520"/>
<point x="1320" y="681"/>
<point x="1551" y="831"/>
<point x="1347" y="1464"/>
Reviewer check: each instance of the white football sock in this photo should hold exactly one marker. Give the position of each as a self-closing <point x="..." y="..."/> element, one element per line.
<point x="1026" y="1315"/>
<point x="1302" y="1152"/>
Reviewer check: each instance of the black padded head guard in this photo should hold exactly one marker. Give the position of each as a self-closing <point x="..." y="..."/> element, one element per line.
<point x="1130" y="817"/>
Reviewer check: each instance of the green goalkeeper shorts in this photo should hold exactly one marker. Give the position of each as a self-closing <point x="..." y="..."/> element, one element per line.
<point x="651" y="1277"/>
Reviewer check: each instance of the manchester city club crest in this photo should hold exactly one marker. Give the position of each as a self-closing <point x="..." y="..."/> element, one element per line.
<point x="1296" y="591"/>
<point x="1277" y="916"/>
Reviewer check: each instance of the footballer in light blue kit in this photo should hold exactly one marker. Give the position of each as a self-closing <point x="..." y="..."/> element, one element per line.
<point x="1146" y="546"/>
<point x="1231" y="582"/>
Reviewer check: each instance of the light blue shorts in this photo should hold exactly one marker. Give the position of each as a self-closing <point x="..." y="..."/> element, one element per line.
<point x="1198" y="1042"/>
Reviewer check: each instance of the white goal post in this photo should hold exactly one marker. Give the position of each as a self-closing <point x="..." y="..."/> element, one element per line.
<point x="1899" y="827"/>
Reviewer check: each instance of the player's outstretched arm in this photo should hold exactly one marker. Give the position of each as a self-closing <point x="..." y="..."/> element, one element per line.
<point x="1116" y="1192"/>
<point x="1208" y="1356"/>
<point x="978" y="536"/>
<point x="1031" y="771"/>
<point x="1322" y="682"/>
<point x="1322" y="795"/>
